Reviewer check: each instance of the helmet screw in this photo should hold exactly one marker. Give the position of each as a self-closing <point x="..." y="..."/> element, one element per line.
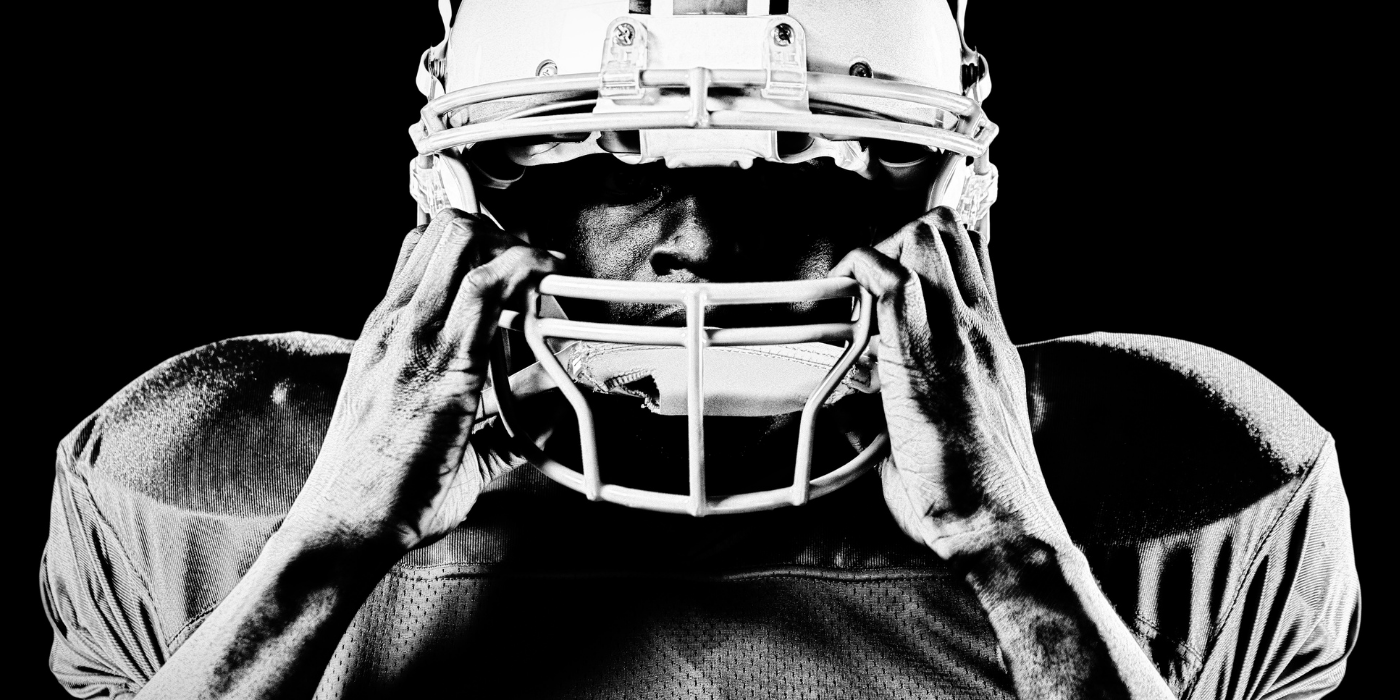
<point x="782" y="34"/>
<point x="547" y="68"/>
<point x="861" y="69"/>
<point x="624" y="34"/>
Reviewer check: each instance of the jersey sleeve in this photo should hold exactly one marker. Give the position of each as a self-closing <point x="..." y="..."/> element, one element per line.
<point x="105" y="642"/>
<point x="165" y="496"/>
<point x="1298" y="608"/>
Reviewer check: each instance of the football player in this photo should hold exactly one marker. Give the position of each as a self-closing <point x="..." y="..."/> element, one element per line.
<point x="719" y="273"/>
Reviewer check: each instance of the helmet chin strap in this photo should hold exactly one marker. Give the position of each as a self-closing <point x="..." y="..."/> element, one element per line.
<point x="438" y="182"/>
<point x="656" y="375"/>
<point x="968" y="189"/>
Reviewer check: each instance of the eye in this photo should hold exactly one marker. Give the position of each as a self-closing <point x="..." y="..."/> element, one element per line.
<point x="624" y="184"/>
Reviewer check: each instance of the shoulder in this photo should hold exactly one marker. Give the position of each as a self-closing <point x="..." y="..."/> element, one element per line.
<point x="1146" y="432"/>
<point x="219" y="427"/>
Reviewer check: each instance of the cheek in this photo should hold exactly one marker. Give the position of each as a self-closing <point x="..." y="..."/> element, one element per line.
<point x="827" y="235"/>
<point x="820" y="257"/>
<point x="606" y="244"/>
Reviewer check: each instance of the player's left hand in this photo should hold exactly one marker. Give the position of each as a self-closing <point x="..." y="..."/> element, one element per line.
<point x="962" y="474"/>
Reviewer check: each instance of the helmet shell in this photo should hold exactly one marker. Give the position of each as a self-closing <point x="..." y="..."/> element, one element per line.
<point x="910" y="41"/>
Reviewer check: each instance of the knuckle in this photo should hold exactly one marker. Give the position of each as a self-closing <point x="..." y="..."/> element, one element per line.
<point x="910" y="233"/>
<point x="414" y="369"/>
<point x="894" y="281"/>
<point x="898" y="276"/>
<point x="977" y="237"/>
<point x="922" y="232"/>
<point x="459" y="232"/>
<point x="864" y="253"/>
<point x="412" y="237"/>
<point x="538" y="259"/>
<point x="378" y="337"/>
<point x="513" y="257"/>
<point x="941" y="217"/>
<point x="481" y="280"/>
<point x="450" y="215"/>
<point x="520" y="262"/>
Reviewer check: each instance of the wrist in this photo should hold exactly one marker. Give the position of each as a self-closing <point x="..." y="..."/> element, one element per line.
<point x="1012" y="566"/>
<point x="331" y="556"/>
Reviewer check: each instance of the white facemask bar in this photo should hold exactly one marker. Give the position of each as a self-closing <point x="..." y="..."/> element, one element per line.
<point x="971" y="137"/>
<point x="855" y="334"/>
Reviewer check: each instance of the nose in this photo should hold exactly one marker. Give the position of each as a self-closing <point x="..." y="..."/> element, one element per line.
<point x="689" y="243"/>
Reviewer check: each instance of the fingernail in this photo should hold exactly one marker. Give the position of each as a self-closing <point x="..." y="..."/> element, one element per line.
<point x="556" y="254"/>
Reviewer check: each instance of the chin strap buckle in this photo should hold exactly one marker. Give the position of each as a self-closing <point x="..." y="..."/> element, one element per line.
<point x="979" y="193"/>
<point x="438" y="182"/>
<point x="425" y="184"/>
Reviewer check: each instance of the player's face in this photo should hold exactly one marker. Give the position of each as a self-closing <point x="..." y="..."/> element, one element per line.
<point x="650" y="223"/>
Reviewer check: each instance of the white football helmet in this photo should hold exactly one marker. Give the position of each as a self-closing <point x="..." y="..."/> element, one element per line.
<point x="700" y="83"/>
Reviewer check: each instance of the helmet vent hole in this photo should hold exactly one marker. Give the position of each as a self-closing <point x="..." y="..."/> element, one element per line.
<point x="711" y="7"/>
<point x="861" y="69"/>
<point x="640" y="7"/>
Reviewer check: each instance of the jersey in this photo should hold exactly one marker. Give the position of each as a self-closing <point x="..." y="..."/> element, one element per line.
<point x="1207" y="502"/>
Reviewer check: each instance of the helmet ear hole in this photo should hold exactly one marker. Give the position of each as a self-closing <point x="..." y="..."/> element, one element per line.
<point x="491" y="168"/>
<point x="792" y="142"/>
<point x="897" y="152"/>
<point x="975" y="76"/>
<point x="907" y="166"/>
<point x="971" y="73"/>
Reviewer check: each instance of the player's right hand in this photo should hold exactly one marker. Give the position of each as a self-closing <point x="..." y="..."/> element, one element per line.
<point x="399" y="464"/>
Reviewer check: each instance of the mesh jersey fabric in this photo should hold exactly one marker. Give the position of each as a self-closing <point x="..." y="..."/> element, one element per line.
<point x="1208" y="503"/>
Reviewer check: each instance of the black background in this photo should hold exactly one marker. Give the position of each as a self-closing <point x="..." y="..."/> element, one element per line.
<point x="239" y="169"/>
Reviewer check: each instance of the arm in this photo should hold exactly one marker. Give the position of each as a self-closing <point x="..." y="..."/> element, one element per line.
<point x="1060" y="636"/>
<point x="395" y="470"/>
<point x="963" y="477"/>
<point x="276" y="630"/>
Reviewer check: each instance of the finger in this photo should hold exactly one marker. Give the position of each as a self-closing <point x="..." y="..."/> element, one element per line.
<point x="961" y="256"/>
<point x="919" y="248"/>
<point x="410" y="242"/>
<point x="901" y="314"/>
<point x="873" y="269"/>
<point x="485" y="290"/>
<point x="408" y="274"/>
<point x="981" y="236"/>
<point x="464" y="243"/>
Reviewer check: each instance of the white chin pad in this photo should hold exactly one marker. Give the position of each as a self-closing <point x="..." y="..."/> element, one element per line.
<point x="761" y="380"/>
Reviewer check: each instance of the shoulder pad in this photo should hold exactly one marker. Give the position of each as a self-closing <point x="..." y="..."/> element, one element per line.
<point x="230" y="427"/>
<point x="1141" y="434"/>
